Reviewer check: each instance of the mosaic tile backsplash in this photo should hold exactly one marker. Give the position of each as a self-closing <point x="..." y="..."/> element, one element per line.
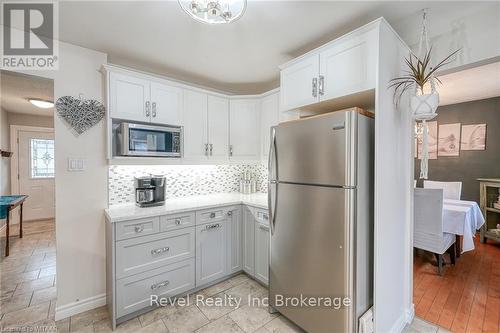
<point x="183" y="180"/>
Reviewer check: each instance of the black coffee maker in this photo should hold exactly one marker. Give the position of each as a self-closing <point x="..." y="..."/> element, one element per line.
<point x="149" y="191"/>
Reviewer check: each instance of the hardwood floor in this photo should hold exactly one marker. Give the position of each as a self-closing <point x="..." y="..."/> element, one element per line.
<point x="467" y="297"/>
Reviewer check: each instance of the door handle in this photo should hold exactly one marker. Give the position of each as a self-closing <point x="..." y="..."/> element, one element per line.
<point x="154" y="109"/>
<point x="272" y="153"/>
<point x="147" y="108"/>
<point x="315" y="87"/>
<point x="321" y="85"/>
<point x="211" y="149"/>
<point x="230" y="150"/>
<point x="206" y="149"/>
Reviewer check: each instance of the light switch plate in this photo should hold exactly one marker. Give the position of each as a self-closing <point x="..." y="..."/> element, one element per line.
<point x="76" y="164"/>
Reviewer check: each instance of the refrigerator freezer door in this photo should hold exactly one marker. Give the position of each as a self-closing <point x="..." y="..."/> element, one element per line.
<point x="317" y="150"/>
<point x="310" y="254"/>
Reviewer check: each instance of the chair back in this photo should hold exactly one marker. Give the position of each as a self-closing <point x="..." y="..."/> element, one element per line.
<point x="452" y="190"/>
<point x="428" y="212"/>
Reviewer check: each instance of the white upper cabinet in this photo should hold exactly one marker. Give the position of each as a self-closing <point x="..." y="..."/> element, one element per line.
<point x="138" y="99"/>
<point x="340" y="68"/>
<point x="348" y="67"/>
<point x="195" y="125"/>
<point x="166" y="104"/>
<point x="244" y="132"/>
<point x="269" y="116"/>
<point x="129" y="97"/>
<point x="299" y="83"/>
<point x="218" y="127"/>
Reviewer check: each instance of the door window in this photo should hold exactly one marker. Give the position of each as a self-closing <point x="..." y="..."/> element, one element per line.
<point x="42" y="158"/>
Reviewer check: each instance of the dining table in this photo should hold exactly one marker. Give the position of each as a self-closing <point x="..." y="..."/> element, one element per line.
<point x="7" y="204"/>
<point x="462" y="218"/>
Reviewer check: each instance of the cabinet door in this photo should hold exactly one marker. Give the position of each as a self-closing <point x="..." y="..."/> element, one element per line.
<point x="248" y="241"/>
<point x="349" y="66"/>
<point x="129" y="97"/>
<point x="166" y="104"/>
<point x="269" y="113"/>
<point x="235" y="232"/>
<point x="262" y="252"/>
<point x="195" y="125"/>
<point x="218" y="127"/>
<point x="296" y="86"/>
<point x="244" y="133"/>
<point x="211" y="252"/>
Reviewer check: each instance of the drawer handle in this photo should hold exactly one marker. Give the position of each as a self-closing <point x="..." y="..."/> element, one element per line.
<point x="159" y="285"/>
<point x="212" y="215"/>
<point x="265" y="216"/>
<point x="139" y="228"/>
<point x="212" y="226"/>
<point x="263" y="228"/>
<point x="160" y="250"/>
<point x="230" y="213"/>
<point x="178" y="221"/>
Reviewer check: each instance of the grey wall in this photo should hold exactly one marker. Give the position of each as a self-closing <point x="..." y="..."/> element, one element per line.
<point x="471" y="164"/>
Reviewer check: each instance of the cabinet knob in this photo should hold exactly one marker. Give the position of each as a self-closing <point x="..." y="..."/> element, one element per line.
<point x="138" y="228"/>
<point x="212" y="215"/>
<point x="177" y="221"/>
<point x="154" y="109"/>
<point x="147" y="109"/>
<point x="315" y="87"/>
<point x="230" y="213"/>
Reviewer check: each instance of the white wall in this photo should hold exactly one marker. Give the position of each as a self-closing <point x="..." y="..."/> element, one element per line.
<point x="81" y="197"/>
<point x="29" y="120"/>
<point x="393" y="192"/>
<point x="4" y="162"/>
<point x="472" y="27"/>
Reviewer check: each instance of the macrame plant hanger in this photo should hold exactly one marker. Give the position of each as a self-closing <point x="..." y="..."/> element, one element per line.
<point x="423" y="48"/>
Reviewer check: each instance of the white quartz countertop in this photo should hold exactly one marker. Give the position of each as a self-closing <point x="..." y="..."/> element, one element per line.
<point x="123" y="212"/>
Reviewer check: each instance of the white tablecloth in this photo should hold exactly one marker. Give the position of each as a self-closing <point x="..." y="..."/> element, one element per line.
<point x="462" y="218"/>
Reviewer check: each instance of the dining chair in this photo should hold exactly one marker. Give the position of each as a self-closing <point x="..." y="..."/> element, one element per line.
<point x="428" y="232"/>
<point x="452" y="190"/>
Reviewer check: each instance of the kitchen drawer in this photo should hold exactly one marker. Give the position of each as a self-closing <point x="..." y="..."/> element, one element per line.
<point x="211" y="215"/>
<point x="137" y="255"/>
<point x="136" y="228"/>
<point x="172" y="222"/>
<point x="134" y="293"/>
<point x="261" y="215"/>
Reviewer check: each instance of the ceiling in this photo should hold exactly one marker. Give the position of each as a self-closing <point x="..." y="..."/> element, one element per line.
<point x="470" y="84"/>
<point x="239" y="58"/>
<point x="17" y="88"/>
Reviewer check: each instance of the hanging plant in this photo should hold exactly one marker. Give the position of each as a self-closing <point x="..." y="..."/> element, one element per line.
<point x="419" y="75"/>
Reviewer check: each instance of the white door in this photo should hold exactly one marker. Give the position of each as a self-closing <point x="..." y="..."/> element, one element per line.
<point x="166" y="104"/>
<point x="211" y="252"/>
<point x="262" y="252"/>
<point x="235" y="233"/>
<point x="244" y="129"/>
<point x="299" y="84"/>
<point x="269" y="114"/>
<point x="218" y="127"/>
<point x="248" y="241"/>
<point x="129" y="97"/>
<point x="349" y="66"/>
<point x="195" y="125"/>
<point x="36" y="174"/>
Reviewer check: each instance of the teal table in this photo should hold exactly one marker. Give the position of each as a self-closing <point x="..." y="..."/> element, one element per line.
<point x="8" y="203"/>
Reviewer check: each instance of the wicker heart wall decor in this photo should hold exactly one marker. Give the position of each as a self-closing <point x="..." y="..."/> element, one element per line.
<point x="79" y="113"/>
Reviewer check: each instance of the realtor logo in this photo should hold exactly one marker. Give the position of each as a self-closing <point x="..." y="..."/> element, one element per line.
<point x="29" y="39"/>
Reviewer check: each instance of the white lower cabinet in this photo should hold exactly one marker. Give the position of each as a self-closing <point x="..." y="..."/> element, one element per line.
<point x="174" y="254"/>
<point x="248" y="241"/>
<point x="262" y="252"/>
<point x="211" y="252"/>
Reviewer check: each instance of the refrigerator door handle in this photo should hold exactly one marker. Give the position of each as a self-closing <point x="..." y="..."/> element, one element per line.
<point x="272" y="154"/>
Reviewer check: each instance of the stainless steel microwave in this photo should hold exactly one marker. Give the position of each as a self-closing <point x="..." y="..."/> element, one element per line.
<point x="150" y="140"/>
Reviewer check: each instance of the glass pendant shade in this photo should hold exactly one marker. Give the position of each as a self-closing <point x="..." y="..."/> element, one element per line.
<point x="214" y="11"/>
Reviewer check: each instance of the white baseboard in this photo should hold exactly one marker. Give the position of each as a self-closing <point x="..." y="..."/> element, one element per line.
<point x="410" y="314"/>
<point x="400" y="324"/>
<point x="74" y="308"/>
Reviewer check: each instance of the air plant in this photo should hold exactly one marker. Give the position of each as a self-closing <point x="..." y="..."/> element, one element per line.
<point x="419" y="74"/>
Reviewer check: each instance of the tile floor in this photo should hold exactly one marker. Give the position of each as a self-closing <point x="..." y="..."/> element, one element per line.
<point x="28" y="295"/>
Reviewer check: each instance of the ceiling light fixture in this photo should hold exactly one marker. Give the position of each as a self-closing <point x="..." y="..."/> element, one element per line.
<point x="40" y="103"/>
<point x="214" y="11"/>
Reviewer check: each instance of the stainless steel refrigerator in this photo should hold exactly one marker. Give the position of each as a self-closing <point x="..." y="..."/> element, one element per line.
<point x="321" y="213"/>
